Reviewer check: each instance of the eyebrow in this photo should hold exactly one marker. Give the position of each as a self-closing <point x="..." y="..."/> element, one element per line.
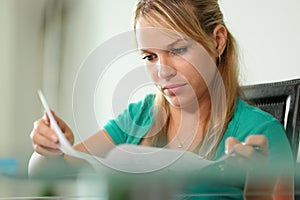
<point x="141" y="51"/>
<point x="177" y="41"/>
<point x="168" y="46"/>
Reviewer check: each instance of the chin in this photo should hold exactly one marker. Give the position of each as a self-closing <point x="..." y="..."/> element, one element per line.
<point x="181" y="102"/>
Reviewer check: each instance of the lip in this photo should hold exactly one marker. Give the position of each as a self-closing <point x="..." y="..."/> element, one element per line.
<point x="173" y="88"/>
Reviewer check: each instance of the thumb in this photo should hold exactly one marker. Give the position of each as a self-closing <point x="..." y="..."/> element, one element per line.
<point x="230" y="143"/>
<point x="46" y="119"/>
<point x="59" y="121"/>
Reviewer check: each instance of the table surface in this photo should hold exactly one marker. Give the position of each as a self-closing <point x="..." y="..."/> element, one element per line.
<point x="80" y="186"/>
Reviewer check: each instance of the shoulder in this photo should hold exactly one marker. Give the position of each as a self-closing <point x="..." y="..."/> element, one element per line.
<point x="244" y="110"/>
<point x="146" y="103"/>
<point x="251" y="120"/>
<point x="248" y="119"/>
<point x="139" y="112"/>
<point x="142" y="108"/>
<point x="248" y="114"/>
<point x="133" y="123"/>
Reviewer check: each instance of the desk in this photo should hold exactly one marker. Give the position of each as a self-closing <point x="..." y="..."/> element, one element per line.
<point x="90" y="186"/>
<point x="68" y="188"/>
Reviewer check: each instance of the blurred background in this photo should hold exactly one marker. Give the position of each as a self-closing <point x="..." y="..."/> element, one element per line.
<point x="43" y="43"/>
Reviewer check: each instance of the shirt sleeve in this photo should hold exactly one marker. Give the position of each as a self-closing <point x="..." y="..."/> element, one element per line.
<point x="133" y="123"/>
<point x="280" y="152"/>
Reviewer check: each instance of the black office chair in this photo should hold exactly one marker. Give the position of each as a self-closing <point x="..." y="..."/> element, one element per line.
<point x="282" y="100"/>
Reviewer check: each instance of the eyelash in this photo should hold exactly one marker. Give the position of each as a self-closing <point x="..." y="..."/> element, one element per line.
<point x="176" y="51"/>
<point x="179" y="50"/>
<point x="149" y="57"/>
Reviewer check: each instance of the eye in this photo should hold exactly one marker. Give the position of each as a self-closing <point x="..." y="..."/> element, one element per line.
<point x="149" y="57"/>
<point x="179" y="50"/>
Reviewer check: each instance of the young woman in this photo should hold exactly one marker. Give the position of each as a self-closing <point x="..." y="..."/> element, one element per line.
<point x="192" y="59"/>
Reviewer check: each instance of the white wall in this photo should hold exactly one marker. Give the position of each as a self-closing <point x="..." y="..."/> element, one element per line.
<point x="87" y="24"/>
<point x="6" y="74"/>
<point x="268" y="35"/>
<point x="20" y="69"/>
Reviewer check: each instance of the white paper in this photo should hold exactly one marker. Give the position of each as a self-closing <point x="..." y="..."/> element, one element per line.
<point x="133" y="158"/>
<point x="64" y="144"/>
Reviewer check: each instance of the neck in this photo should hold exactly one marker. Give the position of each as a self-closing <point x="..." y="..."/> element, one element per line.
<point x="192" y="111"/>
<point x="186" y="126"/>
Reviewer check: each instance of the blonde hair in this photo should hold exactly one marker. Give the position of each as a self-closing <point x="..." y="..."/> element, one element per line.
<point x="196" y="19"/>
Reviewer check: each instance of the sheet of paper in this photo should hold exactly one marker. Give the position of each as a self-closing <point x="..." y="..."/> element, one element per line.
<point x="133" y="158"/>
<point x="64" y="144"/>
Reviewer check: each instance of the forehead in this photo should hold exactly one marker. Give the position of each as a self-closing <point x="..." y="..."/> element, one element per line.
<point x="150" y="36"/>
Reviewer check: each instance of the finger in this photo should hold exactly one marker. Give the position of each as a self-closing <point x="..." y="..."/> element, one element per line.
<point x="41" y="140"/>
<point x="248" y="151"/>
<point x="230" y="144"/>
<point x="39" y="127"/>
<point x="238" y="149"/>
<point x="245" y="157"/>
<point x="250" y="157"/>
<point x="59" y="121"/>
<point x="47" y="151"/>
<point x="46" y="119"/>
<point x="260" y="142"/>
<point x="65" y="128"/>
<point x="56" y="118"/>
<point x="235" y="160"/>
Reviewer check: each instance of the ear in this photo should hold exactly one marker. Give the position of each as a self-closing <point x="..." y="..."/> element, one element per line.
<point x="220" y="39"/>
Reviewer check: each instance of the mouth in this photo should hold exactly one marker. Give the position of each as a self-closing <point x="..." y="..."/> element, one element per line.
<point x="173" y="88"/>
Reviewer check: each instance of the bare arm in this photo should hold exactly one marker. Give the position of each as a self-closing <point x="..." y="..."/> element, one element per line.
<point x="98" y="144"/>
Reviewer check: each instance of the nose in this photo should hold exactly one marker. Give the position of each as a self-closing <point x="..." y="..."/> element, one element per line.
<point x="165" y="71"/>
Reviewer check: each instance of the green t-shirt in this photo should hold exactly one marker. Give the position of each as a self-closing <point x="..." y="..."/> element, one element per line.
<point x="131" y="125"/>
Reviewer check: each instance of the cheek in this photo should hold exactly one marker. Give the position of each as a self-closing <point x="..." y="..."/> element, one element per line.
<point x="205" y="68"/>
<point x="152" y="71"/>
<point x="194" y="77"/>
<point x="188" y="71"/>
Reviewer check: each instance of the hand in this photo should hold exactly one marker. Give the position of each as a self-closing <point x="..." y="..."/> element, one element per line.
<point x="45" y="140"/>
<point x="253" y="156"/>
<point x="253" y="153"/>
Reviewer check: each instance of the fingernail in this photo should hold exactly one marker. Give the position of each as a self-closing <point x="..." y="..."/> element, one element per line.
<point x="226" y="151"/>
<point x="226" y="148"/>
